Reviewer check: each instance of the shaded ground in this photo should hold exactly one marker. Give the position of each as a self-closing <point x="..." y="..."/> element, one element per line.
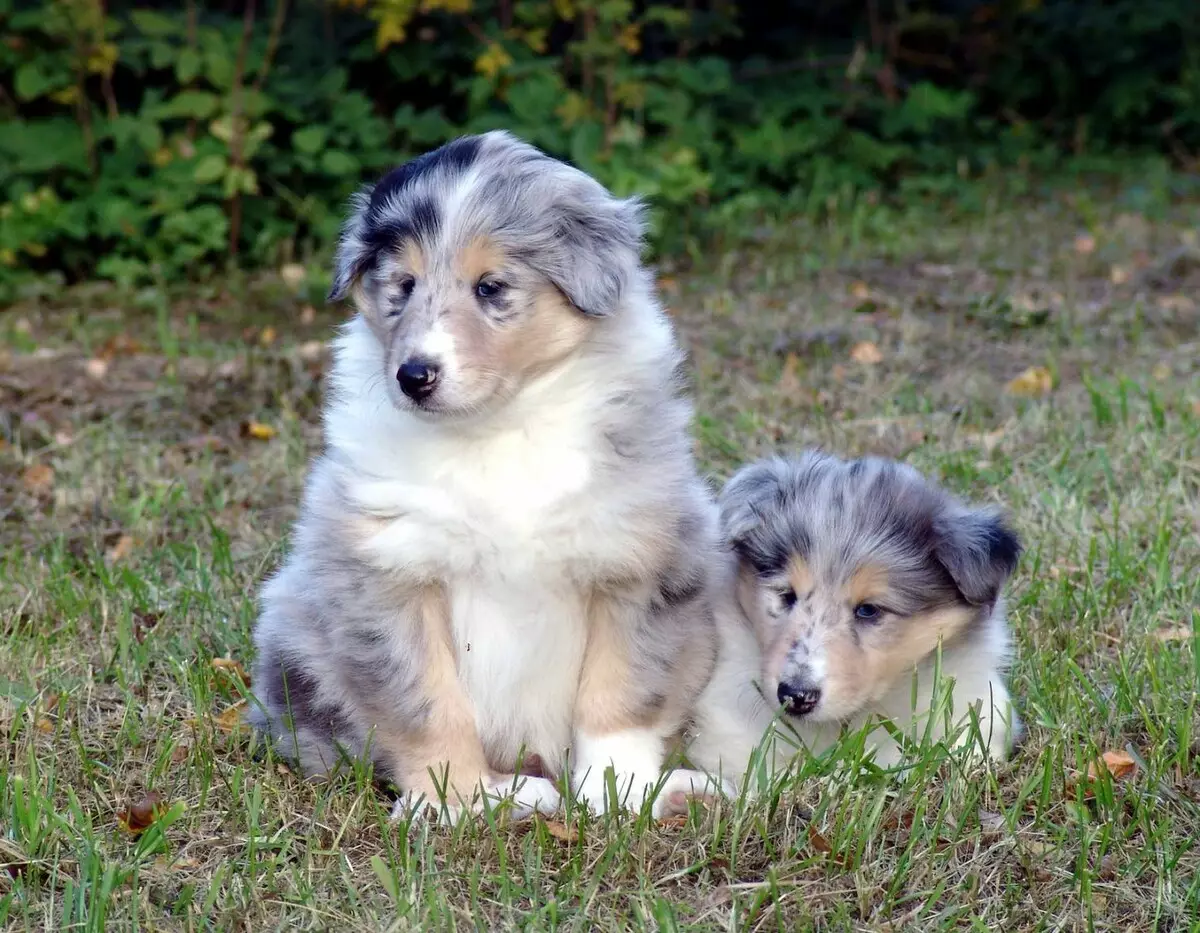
<point x="141" y="503"/>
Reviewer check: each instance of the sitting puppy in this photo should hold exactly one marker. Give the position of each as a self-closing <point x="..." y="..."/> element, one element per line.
<point x="844" y="580"/>
<point x="504" y="548"/>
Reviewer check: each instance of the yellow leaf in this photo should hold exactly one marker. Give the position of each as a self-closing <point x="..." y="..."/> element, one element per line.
<point x="121" y="549"/>
<point x="493" y="61"/>
<point x="267" y="336"/>
<point x="629" y="39"/>
<point x="232" y="667"/>
<point x="38" y="479"/>
<point x="257" y="430"/>
<point x="561" y="831"/>
<point x="1117" y="763"/>
<point x="866" y="353"/>
<point x="1033" y="383"/>
<point x="230" y="720"/>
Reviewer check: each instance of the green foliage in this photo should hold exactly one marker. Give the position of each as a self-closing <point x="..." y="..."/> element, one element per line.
<point x="154" y="141"/>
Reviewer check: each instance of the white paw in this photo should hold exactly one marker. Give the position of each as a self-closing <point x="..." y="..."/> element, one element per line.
<point x="681" y="787"/>
<point x="594" y="790"/>
<point x="519" y="797"/>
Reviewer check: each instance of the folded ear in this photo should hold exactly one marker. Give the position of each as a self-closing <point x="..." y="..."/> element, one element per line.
<point x="354" y="251"/>
<point x="757" y="519"/>
<point x="597" y="246"/>
<point x="978" y="550"/>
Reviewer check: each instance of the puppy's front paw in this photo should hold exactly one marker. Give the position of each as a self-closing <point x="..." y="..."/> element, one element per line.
<point x="682" y="786"/>
<point x="516" y="796"/>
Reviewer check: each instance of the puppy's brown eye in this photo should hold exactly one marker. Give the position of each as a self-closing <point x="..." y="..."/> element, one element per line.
<point x="488" y="288"/>
<point x="407" y="284"/>
<point x="788" y="598"/>
<point x="866" y="612"/>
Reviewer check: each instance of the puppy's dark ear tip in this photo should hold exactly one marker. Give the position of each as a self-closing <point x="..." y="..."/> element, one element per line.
<point x="1004" y="545"/>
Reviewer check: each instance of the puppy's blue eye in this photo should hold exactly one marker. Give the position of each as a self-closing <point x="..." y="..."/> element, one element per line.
<point x="866" y="612"/>
<point x="489" y="289"/>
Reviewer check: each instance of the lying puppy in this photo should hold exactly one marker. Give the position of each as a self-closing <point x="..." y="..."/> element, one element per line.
<point x="844" y="580"/>
<point x="504" y="548"/>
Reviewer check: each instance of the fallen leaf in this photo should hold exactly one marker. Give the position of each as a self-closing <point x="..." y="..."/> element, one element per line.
<point x="142" y="814"/>
<point x="179" y="754"/>
<point x="308" y="314"/>
<point x="44" y="725"/>
<point x="310" y="351"/>
<point x="232" y="667"/>
<point x="860" y="291"/>
<point x="267" y="336"/>
<point x="257" y="430"/>
<point x="230" y="720"/>
<point x="143" y="622"/>
<point x="96" y="369"/>
<point x="38" y="479"/>
<point x="1085" y="244"/>
<point x="866" y="353"/>
<point x="789" y="381"/>
<point x="282" y="768"/>
<point x="818" y="841"/>
<point x="1120" y="766"/>
<point x="120" y="550"/>
<point x="1033" y="383"/>
<point x="1118" y="275"/>
<point x="561" y="831"/>
<point x="1180" y="632"/>
<point x="118" y="345"/>
<point x="293" y="275"/>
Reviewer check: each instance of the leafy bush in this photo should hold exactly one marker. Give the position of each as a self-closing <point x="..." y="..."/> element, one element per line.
<point x="161" y="140"/>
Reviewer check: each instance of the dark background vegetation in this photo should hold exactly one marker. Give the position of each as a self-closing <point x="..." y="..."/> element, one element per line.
<point x="158" y="141"/>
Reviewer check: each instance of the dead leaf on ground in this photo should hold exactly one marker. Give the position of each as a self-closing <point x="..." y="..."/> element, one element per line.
<point x="1118" y="275"/>
<point x="143" y="622"/>
<point x="258" y="431"/>
<point x="141" y="816"/>
<point x="267" y="336"/>
<point x="44" y="725"/>
<point x="38" y="479"/>
<point x="179" y="754"/>
<point x="1085" y="244"/>
<point x="121" y="549"/>
<point x="308" y="314"/>
<point x="860" y="291"/>
<point x="1178" y="632"/>
<point x="1120" y="765"/>
<point x="789" y="380"/>
<point x="96" y="369"/>
<point x="231" y="720"/>
<point x="866" y="353"/>
<point x="232" y="667"/>
<point x="562" y="831"/>
<point x="1033" y="383"/>
<point x="293" y="275"/>
<point x="118" y="345"/>
<point x="821" y="844"/>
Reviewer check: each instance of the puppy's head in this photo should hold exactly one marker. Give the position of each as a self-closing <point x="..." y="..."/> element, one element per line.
<point x="479" y="266"/>
<point x="852" y="571"/>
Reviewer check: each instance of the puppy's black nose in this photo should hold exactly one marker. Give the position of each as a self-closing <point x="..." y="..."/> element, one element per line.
<point x="798" y="700"/>
<point x="417" y="378"/>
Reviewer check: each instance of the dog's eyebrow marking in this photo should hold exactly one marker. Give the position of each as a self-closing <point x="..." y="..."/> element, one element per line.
<point x="868" y="583"/>
<point x="800" y="577"/>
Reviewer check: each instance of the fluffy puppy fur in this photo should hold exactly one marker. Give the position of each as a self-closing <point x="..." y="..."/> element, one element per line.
<point x="844" y="579"/>
<point x="504" y="548"/>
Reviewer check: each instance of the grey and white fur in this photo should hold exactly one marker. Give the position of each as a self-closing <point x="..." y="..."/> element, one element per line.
<point x="504" y="548"/>
<point x="844" y="581"/>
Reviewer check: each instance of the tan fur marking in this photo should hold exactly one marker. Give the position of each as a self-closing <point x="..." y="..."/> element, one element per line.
<point x="447" y="753"/>
<point x="602" y="701"/>
<point x="412" y="259"/>
<point x="549" y="333"/>
<point x="477" y="259"/>
<point x="867" y="584"/>
<point x="919" y="639"/>
<point x="800" y="577"/>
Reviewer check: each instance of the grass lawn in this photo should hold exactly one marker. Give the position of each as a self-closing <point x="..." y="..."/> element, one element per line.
<point x="140" y="508"/>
